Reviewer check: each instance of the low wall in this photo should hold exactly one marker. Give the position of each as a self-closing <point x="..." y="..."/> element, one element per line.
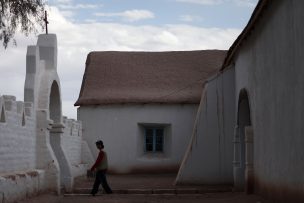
<point x="17" y="135"/>
<point x="71" y="143"/>
<point x="19" y="177"/>
<point x="19" y="185"/>
<point x="86" y="154"/>
<point x="25" y="148"/>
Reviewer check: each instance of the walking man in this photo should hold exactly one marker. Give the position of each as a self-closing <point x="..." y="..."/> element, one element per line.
<point x="101" y="166"/>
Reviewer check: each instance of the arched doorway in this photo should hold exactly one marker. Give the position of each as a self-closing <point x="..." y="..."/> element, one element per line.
<point x="56" y="132"/>
<point x="243" y="147"/>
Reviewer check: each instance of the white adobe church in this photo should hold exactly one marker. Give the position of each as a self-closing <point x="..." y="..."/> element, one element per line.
<point x="248" y="129"/>
<point x="214" y="117"/>
<point x="143" y="105"/>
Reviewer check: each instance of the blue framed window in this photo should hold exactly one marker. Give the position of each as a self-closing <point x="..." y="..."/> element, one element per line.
<point x="154" y="139"/>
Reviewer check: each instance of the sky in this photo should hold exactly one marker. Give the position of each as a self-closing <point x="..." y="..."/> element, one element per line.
<point x="123" y="25"/>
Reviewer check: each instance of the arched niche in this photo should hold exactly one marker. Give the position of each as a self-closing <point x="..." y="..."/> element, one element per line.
<point x="55" y="103"/>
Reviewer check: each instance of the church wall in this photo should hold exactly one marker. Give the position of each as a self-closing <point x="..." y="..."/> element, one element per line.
<point x="209" y="157"/>
<point x="121" y="127"/>
<point x="269" y="66"/>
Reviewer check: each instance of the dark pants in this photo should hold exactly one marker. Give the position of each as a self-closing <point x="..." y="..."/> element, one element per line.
<point x="101" y="179"/>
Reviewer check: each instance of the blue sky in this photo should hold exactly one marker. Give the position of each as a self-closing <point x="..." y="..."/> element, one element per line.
<point x="207" y="13"/>
<point x="123" y="25"/>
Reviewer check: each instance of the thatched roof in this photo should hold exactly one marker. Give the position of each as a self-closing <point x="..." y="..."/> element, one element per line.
<point x="113" y="77"/>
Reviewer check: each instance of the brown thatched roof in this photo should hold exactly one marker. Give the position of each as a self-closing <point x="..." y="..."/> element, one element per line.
<point x="147" y="77"/>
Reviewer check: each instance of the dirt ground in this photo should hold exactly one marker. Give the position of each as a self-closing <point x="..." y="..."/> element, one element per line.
<point x="128" y="198"/>
<point x="146" y="182"/>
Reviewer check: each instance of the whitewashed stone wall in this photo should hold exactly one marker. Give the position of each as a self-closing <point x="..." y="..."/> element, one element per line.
<point x="86" y="154"/>
<point x="39" y="150"/>
<point x="17" y="135"/>
<point x="16" y="186"/>
<point x="209" y="156"/>
<point x="72" y="145"/>
<point x="19" y="177"/>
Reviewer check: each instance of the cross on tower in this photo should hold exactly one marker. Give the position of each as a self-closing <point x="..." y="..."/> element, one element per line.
<point x="46" y="22"/>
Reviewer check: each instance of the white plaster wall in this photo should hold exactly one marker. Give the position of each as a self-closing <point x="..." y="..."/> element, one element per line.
<point x="119" y="126"/>
<point x="41" y="74"/>
<point x="72" y="140"/>
<point x="270" y="67"/>
<point x="45" y="156"/>
<point x="32" y="132"/>
<point x="209" y="157"/>
<point x="86" y="155"/>
<point x="71" y="143"/>
<point x="58" y="144"/>
<point x="19" y="177"/>
<point x="17" y="141"/>
<point x="17" y="186"/>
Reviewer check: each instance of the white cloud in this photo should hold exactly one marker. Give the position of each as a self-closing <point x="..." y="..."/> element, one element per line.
<point x="79" y="6"/>
<point x="202" y="2"/>
<point x="90" y="20"/>
<point x="68" y="13"/>
<point x="186" y="18"/>
<point x="246" y="3"/>
<point x="129" y="15"/>
<point x="63" y="1"/>
<point x="75" y="41"/>
<point x="189" y="18"/>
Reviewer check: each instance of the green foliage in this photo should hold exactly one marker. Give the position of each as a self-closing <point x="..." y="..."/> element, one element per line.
<point x="19" y="14"/>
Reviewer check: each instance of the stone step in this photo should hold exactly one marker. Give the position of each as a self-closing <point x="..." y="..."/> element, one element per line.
<point x="159" y="191"/>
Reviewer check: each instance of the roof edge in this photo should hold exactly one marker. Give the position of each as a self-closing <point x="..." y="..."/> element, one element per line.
<point x="149" y="52"/>
<point x="81" y="104"/>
